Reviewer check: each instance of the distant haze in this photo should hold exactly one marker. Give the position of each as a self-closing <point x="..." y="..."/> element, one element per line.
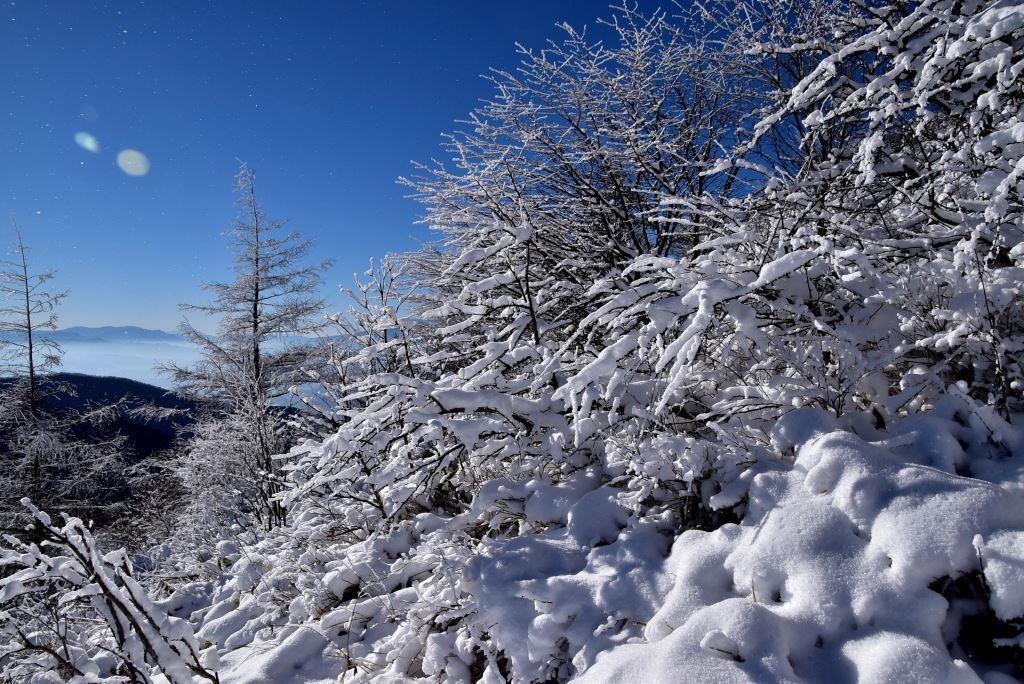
<point x="125" y="352"/>
<point x="133" y="359"/>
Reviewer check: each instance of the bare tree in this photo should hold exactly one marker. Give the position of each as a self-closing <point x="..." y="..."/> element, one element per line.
<point x="27" y="308"/>
<point x="264" y="316"/>
<point x="51" y="456"/>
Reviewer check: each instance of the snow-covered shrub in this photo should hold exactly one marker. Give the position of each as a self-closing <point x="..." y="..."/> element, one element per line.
<point x="563" y="573"/>
<point x="611" y="354"/>
<point x="376" y="335"/>
<point x="597" y="133"/>
<point x="884" y="269"/>
<point x="70" y="612"/>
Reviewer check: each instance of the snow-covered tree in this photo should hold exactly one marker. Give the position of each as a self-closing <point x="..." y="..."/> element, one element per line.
<point x="221" y="480"/>
<point x="549" y="192"/>
<point x="258" y="352"/>
<point x="46" y="451"/>
<point x="26" y="312"/>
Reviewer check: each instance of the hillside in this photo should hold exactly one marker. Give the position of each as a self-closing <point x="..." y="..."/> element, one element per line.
<point x="714" y="373"/>
<point x="145" y="437"/>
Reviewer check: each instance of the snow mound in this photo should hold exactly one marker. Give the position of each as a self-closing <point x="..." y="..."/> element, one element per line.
<point x="827" y="576"/>
<point x="554" y="601"/>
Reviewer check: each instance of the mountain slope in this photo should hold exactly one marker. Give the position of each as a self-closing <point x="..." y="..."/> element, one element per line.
<point x="146" y="436"/>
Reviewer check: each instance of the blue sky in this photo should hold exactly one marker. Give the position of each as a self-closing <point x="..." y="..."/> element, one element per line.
<point x="327" y="101"/>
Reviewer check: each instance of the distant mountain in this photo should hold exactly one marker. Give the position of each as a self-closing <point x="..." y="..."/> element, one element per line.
<point x="123" y="333"/>
<point x="85" y="334"/>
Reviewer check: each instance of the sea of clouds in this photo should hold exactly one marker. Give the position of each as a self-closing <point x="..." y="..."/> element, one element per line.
<point x="133" y="359"/>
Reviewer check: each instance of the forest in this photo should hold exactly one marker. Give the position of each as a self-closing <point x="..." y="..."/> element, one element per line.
<point x="712" y="372"/>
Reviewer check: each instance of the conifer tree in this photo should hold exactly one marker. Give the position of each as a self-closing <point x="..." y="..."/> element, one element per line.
<point x="256" y="356"/>
<point x="45" y="456"/>
<point x="28" y="308"/>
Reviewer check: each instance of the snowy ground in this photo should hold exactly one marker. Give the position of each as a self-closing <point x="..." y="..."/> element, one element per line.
<point x="828" y="575"/>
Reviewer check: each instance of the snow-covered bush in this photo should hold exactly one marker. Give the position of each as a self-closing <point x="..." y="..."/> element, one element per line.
<point x="886" y="268"/>
<point x="611" y="353"/>
<point x="69" y="612"/>
<point x="551" y="190"/>
<point x="868" y="269"/>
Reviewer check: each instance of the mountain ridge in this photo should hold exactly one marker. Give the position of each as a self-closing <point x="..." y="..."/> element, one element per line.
<point x="99" y="334"/>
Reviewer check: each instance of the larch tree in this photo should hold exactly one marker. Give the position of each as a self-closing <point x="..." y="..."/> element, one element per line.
<point x="27" y="309"/>
<point x="46" y="458"/>
<point x="265" y="316"/>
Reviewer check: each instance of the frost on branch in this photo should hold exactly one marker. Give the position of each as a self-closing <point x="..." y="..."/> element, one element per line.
<point x="70" y="610"/>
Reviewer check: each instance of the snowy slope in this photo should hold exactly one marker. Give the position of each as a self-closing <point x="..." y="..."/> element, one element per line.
<point x="839" y="570"/>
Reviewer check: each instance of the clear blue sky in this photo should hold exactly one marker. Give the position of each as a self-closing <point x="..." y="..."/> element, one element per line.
<point x="327" y="101"/>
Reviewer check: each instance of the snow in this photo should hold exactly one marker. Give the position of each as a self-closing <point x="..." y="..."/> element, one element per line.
<point x="828" y="574"/>
<point x="1002" y="556"/>
<point x="299" y="657"/>
<point x="552" y="594"/>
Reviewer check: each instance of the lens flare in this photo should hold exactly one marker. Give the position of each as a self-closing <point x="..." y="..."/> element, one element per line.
<point x="133" y="162"/>
<point x="87" y="141"/>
